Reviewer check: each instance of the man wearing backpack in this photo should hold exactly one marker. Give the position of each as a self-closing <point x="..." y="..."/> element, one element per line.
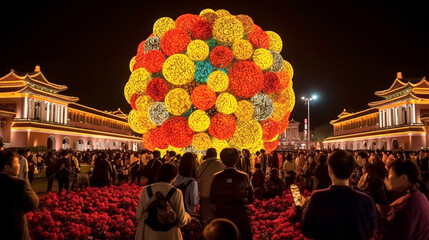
<point x="160" y="211"/>
<point x="205" y="174"/>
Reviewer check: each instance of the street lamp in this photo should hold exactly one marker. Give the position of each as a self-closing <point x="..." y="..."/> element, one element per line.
<point x="307" y="101"/>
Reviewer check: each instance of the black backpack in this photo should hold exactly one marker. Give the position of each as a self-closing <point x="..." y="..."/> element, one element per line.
<point x="162" y="216"/>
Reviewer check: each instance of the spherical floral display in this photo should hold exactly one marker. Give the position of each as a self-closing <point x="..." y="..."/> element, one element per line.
<point x="157" y="89"/>
<point x="263" y="107"/>
<point x="263" y="58"/>
<point x="158" y="113"/>
<point x="198" y="50"/>
<point x="177" y="131"/>
<point x="175" y="41"/>
<point x="226" y="103"/>
<point x="215" y="73"/>
<point x="242" y="49"/>
<point x="199" y="121"/>
<point x="178" y="69"/>
<point x="245" y="79"/>
<point x="221" y="57"/>
<point x="201" y="141"/>
<point x="228" y="29"/>
<point x="147" y="142"/>
<point x="153" y="61"/>
<point x="276" y="43"/>
<point x="218" y="81"/>
<point x="203" y="97"/>
<point x="162" y="25"/>
<point x="222" y="126"/>
<point x="244" y="111"/>
<point x="152" y="43"/>
<point x="178" y="101"/>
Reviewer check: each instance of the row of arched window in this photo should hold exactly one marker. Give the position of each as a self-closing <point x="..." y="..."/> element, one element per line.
<point x="95" y="120"/>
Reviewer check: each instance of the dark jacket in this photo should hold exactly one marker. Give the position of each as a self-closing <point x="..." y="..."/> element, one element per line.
<point x="258" y="179"/>
<point x="102" y="170"/>
<point x="231" y="192"/>
<point x="322" y="176"/>
<point x="62" y="165"/>
<point x="339" y="212"/>
<point x="16" y="199"/>
<point x="150" y="171"/>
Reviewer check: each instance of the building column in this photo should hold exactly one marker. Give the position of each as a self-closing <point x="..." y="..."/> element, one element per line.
<point x="47" y="111"/>
<point x="25" y="108"/>
<point x="380" y="120"/>
<point x="61" y="114"/>
<point x="65" y="114"/>
<point x="414" y="113"/>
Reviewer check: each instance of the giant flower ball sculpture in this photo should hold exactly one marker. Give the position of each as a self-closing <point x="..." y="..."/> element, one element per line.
<point x="210" y="80"/>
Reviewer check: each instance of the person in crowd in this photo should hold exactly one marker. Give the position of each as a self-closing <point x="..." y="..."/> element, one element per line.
<point x="274" y="160"/>
<point x="373" y="183"/>
<point x="300" y="163"/>
<point x="75" y="168"/>
<point x="274" y="185"/>
<point x="50" y="173"/>
<point x="309" y="172"/>
<point x="258" y="182"/>
<point x="63" y="171"/>
<point x="32" y="164"/>
<point x="424" y="167"/>
<point x="16" y="199"/>
<point x="151" y="169"/>
<point x="289" y="170"/>
<point x="263" y="159"/>
<point x="231" y="191"/>
<point x="322" y="174"/>
<point x="136" y="164"/>
<point x="408" y="216"/>
<point x="166" y="176"/>
<point x="40" y="162"/>
<point x="102" y="173"/>
<point x="186" y="181"/>
<point x="205" y="172"/>
<point x="23" y="164"/>
<point x="244" y="162"/>
<point x="339" y="212"/>
<point x="361" y="161"/>
<point x="221" y="229"/>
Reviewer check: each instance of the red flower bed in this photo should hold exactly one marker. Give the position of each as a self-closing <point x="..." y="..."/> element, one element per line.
<point x="109" y="213"/>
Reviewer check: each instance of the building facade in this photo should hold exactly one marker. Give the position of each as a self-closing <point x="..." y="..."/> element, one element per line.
<point x="34" y="113"/>
<point x="399" y="121"/>
<point x="292" y="138"/>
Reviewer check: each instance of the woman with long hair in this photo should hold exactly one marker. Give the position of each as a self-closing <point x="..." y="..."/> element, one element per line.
<point x="186" y="181"/>
<point x="408" y="216"/>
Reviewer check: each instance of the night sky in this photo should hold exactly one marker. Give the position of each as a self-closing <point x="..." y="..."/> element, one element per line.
<point x="342" y="50"/>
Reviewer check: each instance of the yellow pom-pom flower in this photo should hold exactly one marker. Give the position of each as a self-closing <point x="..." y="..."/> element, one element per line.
<point x="132" y="62"/>
<point x="222" y="13"/>
<point x="162" y="25"/>
<point x="227" y="30"/>
<point x="134" y="87"/>
<point x="263" y="58"/>
<point x="199" y="121"/>
<point x="207" y="10"/>
<point x="198" y="50"/>
<point x="246" y="134"/>
<point x="218" y="81"/>
<point x="290" y="103"/>
<point x="201" y="141"/>
<point x="242" y="49"/>
<point x="287" y="67"/>
<point x="276" y="43"/>
<point x="178" y="101"/>
<point x="244" y="111"/>
<point x="226" y="103"/>
<point x="143" y="104"/>
<point x="139" y="122"/>
<point x="178" y="69"/>
<point x="140" y="75"/>
<point x="278" y="111"/>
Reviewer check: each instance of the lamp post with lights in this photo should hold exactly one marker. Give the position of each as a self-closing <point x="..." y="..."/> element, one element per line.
<point x="307" y="101"/>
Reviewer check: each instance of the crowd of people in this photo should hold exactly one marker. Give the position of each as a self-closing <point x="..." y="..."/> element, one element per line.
<point x="360" y="194"/>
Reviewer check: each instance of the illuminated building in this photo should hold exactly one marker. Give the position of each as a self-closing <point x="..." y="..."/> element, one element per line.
<point x="33" y="113"/>
<point x="397" y="122"/>
<point x="292" y="138"/>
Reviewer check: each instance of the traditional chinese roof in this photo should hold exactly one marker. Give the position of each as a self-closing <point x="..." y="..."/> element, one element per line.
<point x="404" y="85"/>
<point x="112" y="115"/>
<point x="344" y="116"/>
<point x="118" y="113"/>
<point x="35" y="79"/>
